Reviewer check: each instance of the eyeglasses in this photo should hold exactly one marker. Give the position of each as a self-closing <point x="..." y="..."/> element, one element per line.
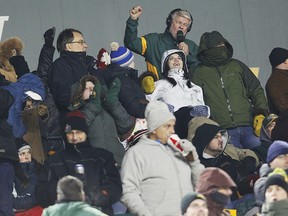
<point x="82" y="42"/>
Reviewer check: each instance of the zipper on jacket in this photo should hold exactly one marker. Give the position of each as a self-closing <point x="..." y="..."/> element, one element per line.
<point x="225" y="93"/>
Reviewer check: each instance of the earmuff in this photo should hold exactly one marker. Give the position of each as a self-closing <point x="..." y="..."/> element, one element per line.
<point x="169" y="18"/>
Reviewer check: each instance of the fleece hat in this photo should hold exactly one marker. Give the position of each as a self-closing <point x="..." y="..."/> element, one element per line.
<point x="157" y="114"/>
<point x="75" y="120"/>
<point x="277" y="177"/>
<point x="188" y="199"/>
<point x="277" y="56"/>
<point x="269" y="119"/>
<point x="121" y="55"/>
<point x="103" y="59"/>
<point x="277" y="148"/>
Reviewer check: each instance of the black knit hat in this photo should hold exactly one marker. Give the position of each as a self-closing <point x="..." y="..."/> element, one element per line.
<point x="276" y="179"/>
<point x="188" y="199"/>
<point x="277" y="56"/>
<point x="75" y="120"/>
<point x="203" y="136"/>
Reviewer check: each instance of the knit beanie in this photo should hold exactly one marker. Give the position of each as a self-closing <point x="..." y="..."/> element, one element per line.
<point x="277" y="148"/>
<point x="188" y="199"/>
<point x="277" y="177"/>
<point x="277" y="56"/>
<point x="22" y="145"/>
<point x="75" y="120"/>
<point x="157" y="114"/>
<point x="269" y="119"/>
<point x="121" y="55"/>
<point x="203" y="136"/>
<point x="103" y="59"/>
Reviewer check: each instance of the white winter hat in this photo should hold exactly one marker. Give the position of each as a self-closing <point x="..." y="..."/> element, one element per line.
<point x="157" y="114"/>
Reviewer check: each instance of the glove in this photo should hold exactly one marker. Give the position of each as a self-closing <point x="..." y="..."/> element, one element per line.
<point x="49" y="36"/>
<point x="257" y="124"/>
<point x="42" y="110"/>
<point x="96" y="96"/>
<point x="111" y="95"/>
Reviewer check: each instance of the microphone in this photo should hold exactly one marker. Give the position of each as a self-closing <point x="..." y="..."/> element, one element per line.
<point x="180" y="36"/>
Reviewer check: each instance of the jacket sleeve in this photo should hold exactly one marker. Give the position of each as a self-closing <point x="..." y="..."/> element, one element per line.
<point x="110" y="190"/>
<point x="45" y="60"/>
<point x="123" y="120"/>
<point x="254" y="89"/>
<point x="131" y="39"/>
<point x="131" y="177"/>
<point x="20" y="65"/>
<point x="192" y="61"/>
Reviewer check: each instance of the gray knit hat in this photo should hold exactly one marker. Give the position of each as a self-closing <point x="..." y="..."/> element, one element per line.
<point x="188" y="199"/>
<point x="157" y="114"/>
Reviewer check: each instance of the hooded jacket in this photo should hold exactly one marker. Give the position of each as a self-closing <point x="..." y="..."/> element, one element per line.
<point x="153" y="45"/>
<point x="211" y="179"/>
<point x="184" y="92"/>
<point x="230" y="88"/>
<point x="28" y="82"/>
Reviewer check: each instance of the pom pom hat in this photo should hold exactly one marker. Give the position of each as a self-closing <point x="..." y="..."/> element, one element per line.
<point x="121" y="55"/>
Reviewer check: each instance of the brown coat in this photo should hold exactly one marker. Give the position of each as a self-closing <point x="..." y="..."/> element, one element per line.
<point x="277" y="91"/>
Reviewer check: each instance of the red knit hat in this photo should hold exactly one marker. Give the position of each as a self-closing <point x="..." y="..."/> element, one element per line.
<point x="103" y="59"/>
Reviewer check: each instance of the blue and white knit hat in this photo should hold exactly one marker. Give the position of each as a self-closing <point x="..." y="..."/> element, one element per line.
<point x="121" y="55"/>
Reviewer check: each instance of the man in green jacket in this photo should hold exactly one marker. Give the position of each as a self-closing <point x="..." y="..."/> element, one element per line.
<point x="70" y="200"/>
<point x="230" y="89"/>
<point x="153" y="45"/>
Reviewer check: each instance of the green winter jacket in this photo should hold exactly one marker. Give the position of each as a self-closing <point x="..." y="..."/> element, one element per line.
<point x="279" y="208"/>
<point x="153" y="45"/>
<point x="230" y="88"/>
<point x="72" y="209"/>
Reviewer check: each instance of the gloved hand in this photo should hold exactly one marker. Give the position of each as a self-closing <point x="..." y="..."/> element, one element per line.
<point x="96" y="96"/>
<point x="257" y="124"/>
<point x="49" y="36"/>
<point x="111" y="95"/>
<point x="42" y="110"/>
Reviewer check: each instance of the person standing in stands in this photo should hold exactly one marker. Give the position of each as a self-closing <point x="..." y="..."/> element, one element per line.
<point x="152" y="46"/>
<point x="231" y="90"/>
<point x="276" y="86"/>
<point x="72" y="64"/>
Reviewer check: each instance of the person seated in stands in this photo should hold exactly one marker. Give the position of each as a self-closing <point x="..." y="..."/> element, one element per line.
<point x="98" y="171"/>
<point x="276" y="194"/>
<point x="71" y="200"/>
<point x="276" y="158"/>
<point x="105" y="116"/>
<point x="26" y="176"/>
<point x="183" y="96"/>
<point x="194" y="204"/>
<point x="214" y="150"/>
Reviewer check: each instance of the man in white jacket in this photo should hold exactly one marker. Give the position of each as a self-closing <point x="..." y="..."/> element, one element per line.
<point x="155" y="173"/>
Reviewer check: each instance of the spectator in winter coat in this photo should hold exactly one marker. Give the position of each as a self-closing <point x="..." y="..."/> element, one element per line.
<point x="70" y="200"/>
<point x="183" y="97"/>
<point x="8" y="155"/>
<point x="26" y="176"/>
<point x="72" y="64"/>
<point x="105" y="116"/>
<point x="153" y="45"/>
<point x="276" y="87"/>
<point x="102" y="184"/>
<point x="230" y="89"/>
<point x="155" y="174"/>
<point x="276" y="194"/>
<point x="216" y="185"/>
<point x="194" y="204"/>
